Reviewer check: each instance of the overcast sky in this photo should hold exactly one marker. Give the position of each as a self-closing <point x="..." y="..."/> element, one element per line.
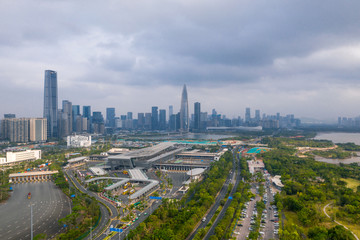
<point x="300" y="57"/>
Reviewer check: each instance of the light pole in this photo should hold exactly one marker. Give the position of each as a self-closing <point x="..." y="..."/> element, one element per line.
<point x="31" y="221"/>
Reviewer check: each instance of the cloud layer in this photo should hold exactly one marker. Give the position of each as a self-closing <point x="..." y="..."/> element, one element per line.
<point x="300" y="57"/>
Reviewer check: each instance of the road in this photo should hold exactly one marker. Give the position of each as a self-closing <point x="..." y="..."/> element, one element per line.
<point x="235" y="179"/>
<point x="49" y="205"/>
<point x="105" y="215"/>
<point x="324" y="209"/>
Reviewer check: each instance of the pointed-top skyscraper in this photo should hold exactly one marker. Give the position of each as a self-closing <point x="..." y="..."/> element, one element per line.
<point x="184" y="111"/>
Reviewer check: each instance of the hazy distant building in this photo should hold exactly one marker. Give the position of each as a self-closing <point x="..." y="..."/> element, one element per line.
<point x="197" y="113"/>
<point x="184" y="111"/>
<point x="38" y="129"/>
<point x="110" y="117"/>
<point x="257" y="116"/>
<point x="154" y="118"/>
<point x="51" y="102"/>
<point x="162" y="119"/>
<point x="148" y="121"/>
<point x="171" y="111"/>
<point x="98" y="123"/>
<point x="87" y="114"/>
<point x="247" y="115"/>
<point x="75" y="113"/>
<point x="141" y="120"/>
<point x="9" y="115"/>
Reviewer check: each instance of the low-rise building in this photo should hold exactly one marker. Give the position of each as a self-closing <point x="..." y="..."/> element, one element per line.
<point x="16" y="157"/>
<point x="79" y="141"/>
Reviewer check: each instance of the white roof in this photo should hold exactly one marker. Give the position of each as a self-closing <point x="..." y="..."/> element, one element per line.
<point x="195" y="171"/>
<point x="32" y="173"/>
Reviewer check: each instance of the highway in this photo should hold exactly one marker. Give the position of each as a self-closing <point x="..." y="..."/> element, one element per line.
<point x="49" y="205"/>
<point x="235" y="179"/>
<point x="216" y="205"/>
<point x="105" y="215"/>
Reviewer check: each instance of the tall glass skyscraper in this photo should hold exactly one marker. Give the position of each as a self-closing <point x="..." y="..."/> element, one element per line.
<point x="184" y="111"/>
<point x="51" y="103"/>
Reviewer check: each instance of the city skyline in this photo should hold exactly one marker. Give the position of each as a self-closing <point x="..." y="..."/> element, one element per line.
<point x="277" y="57"/>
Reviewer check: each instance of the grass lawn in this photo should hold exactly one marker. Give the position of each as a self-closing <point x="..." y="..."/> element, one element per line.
<point x="355" y="228"/>
<point x="351" y="183"/>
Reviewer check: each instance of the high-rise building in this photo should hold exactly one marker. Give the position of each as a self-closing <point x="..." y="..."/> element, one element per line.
<point x="247" y="115"/>
<point x="65" y="120"/>
<point x="141" y="120"/>
<point x="184" y="111"/>
<point x="154" y="118"/>
<point x="75" y="114"/>
<point x="110" y="117"/>
<point x="51" y="102"/>
<point x="87" y="112"/>
<point x="257" y="116"/>
<point x="98" y="123"/>
<point x="162" y="119"/>
<point x="38" y="131"/>
<point x="148" y="118"/>
<point x="16" y="129"/>
<point x="9" y="115"/>
<point x="129" y="116"/>
<point x="87" y="115"/>
<point x="197" y="112"/>
<point x="171" y="111"/>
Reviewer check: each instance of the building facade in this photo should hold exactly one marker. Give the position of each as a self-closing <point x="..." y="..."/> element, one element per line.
<point x="184" y="111"/>
<point x="51" y="103"/>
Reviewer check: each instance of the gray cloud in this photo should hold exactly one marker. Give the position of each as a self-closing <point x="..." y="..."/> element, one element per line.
<point x="301" y="57"/>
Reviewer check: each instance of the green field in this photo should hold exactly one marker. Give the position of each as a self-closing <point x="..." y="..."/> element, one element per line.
<point x="351" y="183"/>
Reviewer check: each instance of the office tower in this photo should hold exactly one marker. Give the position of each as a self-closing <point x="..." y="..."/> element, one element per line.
<point x="98" y="123"/>
<point x="203" y="120"/>
<point x="162" y="119"/>
<point x="178" y="120"/>
<point x="247" y="115"/>
<point x="257" y="116"/>
<point x="154" y="118"/>
<point x="110" y="117"/>
<point x="172" y="122"/>
<point x="129" y="116"/>
<point x="65" y="121"/>
<point x="75" y="113"/>
<point x="148" y="118"/>
<point x="87" y="115"/>
<point x="38" y="129"/>
<point x="9" y="115"/>
<point x="171" y="111"/>
<point x="51" y="103"/>
<point x="87" y="112"/>
<point x="141" y="120"/>
<point x="184" y="111"/>
<point x="277" y="116"/>
<point x="197" y="112"/>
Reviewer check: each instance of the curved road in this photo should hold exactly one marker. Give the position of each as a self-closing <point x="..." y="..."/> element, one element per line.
<point x="105" y="216"/>
<point x="49" y="205"/>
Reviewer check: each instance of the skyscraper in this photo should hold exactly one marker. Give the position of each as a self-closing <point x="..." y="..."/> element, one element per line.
<point x="171" y="111"/>
<point x="51" y="102"/>
<point x="110" y="117"/>
<point x="75" y="113"/>
<point x="162" y="119"/>
<point x="184" y="111"/>
<point x="197" y="112"/>
<point x="37" y="129"/>
<point x="154" y="118"/>
<point x="247" y="115"/>
<point x="257" y="116"/>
